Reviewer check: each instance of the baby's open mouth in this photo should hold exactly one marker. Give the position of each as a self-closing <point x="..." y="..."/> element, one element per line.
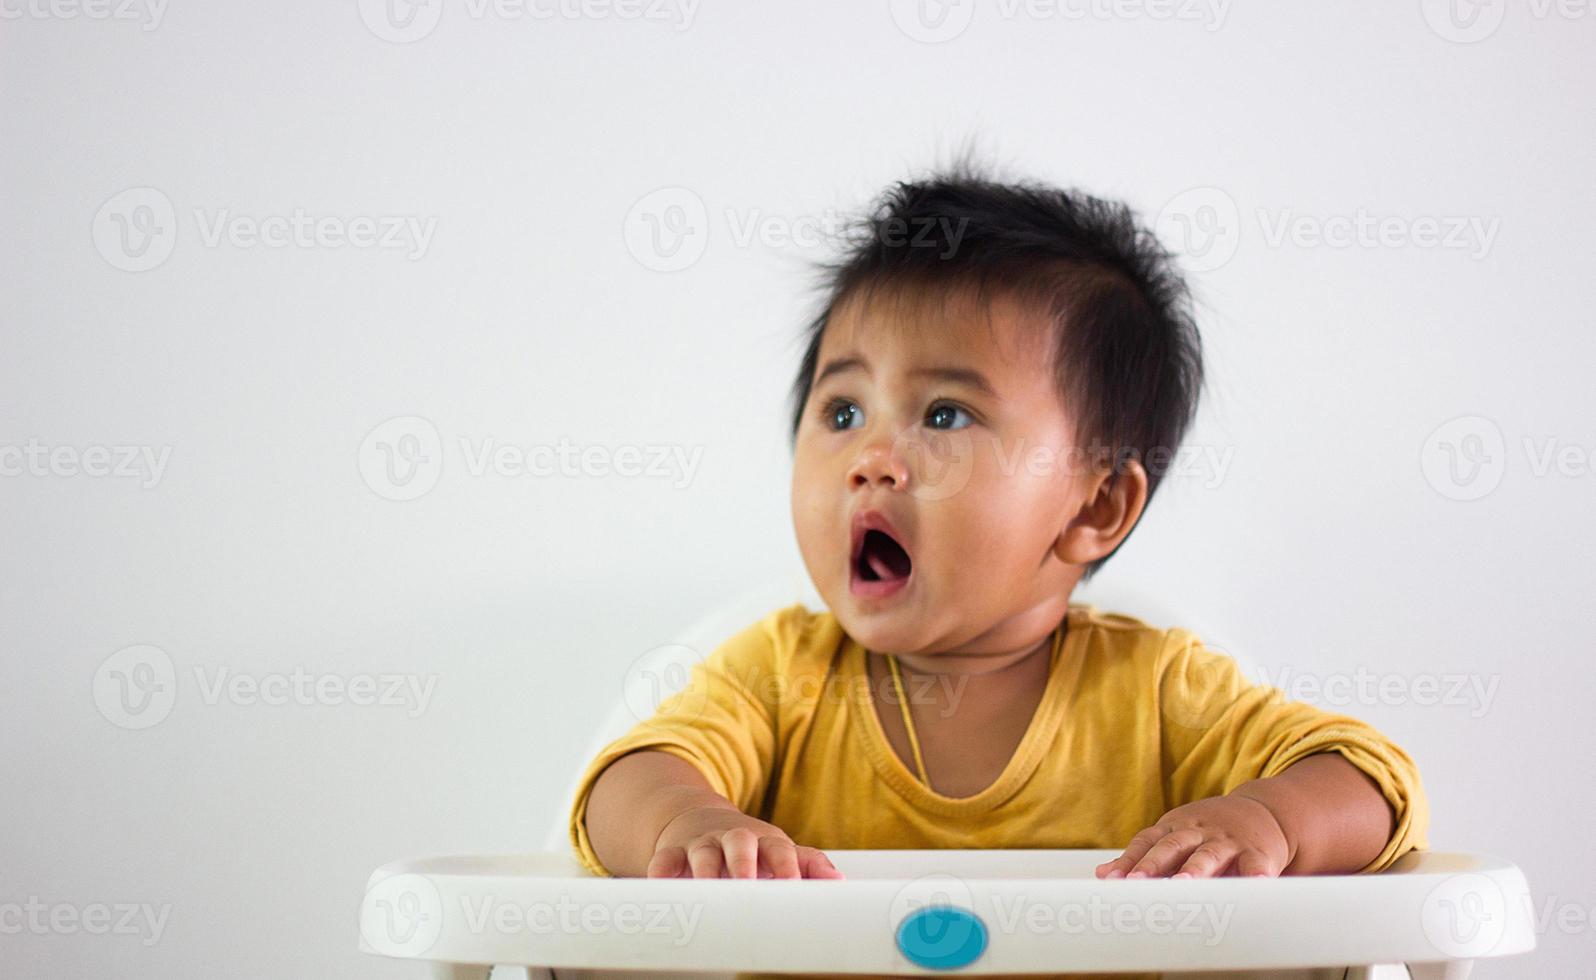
<point x="881" y="558"/>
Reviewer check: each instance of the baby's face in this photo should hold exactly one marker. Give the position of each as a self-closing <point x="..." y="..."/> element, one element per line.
<point x="972" y="472"/>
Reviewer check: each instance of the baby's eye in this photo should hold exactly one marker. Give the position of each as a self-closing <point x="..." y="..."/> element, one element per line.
<point x="943" y="415"/>
<point x="839" y="412"/>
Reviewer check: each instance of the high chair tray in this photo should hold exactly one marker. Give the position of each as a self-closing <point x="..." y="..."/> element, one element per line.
<point x="977" y="911"/>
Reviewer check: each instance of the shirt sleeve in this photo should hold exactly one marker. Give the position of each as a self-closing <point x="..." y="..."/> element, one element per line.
<point x="723" y="721"/>
<point x="1219" y="731"/>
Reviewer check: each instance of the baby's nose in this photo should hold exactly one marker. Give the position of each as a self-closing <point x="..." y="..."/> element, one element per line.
<point x="878" y="464"/>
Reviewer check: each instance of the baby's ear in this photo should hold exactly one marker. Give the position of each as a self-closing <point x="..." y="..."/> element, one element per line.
<point x="1108" y="505"/>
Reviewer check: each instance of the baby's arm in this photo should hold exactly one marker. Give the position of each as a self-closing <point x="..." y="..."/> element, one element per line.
<point x="1321" y="816"/>
<point x="671" y="797"/>
<point x="1333" y="815"/>
<point x="653" y="813"/>
<point x="1256" y="784"/>
<point x="632" y="801"/>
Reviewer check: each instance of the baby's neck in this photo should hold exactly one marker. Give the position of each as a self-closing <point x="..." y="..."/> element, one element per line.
<point x="1035" y="627"/>
<point x="976" y="665"/>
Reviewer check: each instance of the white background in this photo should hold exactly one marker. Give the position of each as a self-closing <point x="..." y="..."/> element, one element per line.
<point x="1336" y="541"/>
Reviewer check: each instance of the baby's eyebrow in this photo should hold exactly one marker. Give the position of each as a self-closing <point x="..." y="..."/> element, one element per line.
<point x="968" y="376"/>
<point x="961" y="375"/>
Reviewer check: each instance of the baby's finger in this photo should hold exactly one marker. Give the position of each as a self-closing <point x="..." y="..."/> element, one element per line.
<point x="1253" y="864"/>
<point x="781" y="856"/>
<point x="741" y="847"/>
<point x="1164" y="856"/>
<point x="816" y="864"/>
<point x="706" y="858"/>
<point x="1138" y="846"/>
<point x="670" y="862"/>
<point x="1209" y="860"/>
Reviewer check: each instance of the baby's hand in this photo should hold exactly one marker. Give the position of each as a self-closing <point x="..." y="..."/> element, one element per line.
<point x="1212" y="838"/>
<point x="718" y="842"/>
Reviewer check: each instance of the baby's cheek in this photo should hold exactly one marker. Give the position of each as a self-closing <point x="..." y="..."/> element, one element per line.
<point x="813" y="542"/>
<point x="968" y="546"/>
<point x="809" y="528"/>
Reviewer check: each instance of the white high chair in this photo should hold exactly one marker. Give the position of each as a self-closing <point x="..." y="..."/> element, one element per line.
<point x="542" y="916"/>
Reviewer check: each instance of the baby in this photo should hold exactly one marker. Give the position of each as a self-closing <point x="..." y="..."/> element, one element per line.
<point x="998" y="378"/>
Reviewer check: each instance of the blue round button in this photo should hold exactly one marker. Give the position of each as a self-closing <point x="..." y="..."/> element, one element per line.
<point x="942" y="937"/>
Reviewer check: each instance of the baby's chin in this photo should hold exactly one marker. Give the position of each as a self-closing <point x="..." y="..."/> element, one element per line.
<point x="895" y="631"/>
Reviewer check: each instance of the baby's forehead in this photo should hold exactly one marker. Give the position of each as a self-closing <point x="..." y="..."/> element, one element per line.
<point x="904" y="325"/>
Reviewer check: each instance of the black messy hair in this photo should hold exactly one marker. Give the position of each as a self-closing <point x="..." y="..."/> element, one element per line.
<point x="1124" y="343"/>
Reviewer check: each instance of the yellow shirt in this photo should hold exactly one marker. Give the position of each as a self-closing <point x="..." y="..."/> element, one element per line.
<point x="1134" y="721"/>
